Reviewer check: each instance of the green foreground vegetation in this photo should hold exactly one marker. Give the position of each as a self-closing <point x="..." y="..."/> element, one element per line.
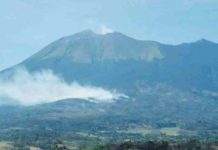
<point x="75" y="125"/>
<point x="127" y="145"/>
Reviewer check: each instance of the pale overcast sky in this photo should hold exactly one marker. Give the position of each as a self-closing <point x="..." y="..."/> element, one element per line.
<point x="26" y="26"/>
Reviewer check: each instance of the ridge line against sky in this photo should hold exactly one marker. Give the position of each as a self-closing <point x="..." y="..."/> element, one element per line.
<point x="27" y="25"/>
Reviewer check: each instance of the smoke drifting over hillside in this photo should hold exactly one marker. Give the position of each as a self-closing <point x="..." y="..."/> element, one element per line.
<point x="45" y="86"/>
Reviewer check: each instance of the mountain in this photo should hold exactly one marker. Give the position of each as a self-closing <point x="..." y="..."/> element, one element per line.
<point x="172" y="90"/>
<point x="112" y="59"/>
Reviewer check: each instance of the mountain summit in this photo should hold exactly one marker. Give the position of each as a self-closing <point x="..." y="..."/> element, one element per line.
<point x="87" y="47"/>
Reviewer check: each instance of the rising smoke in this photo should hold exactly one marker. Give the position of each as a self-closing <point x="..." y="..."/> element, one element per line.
<point x="44" y="87"/>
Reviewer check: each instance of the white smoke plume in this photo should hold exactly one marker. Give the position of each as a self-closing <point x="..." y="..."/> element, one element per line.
<point x="44" y="87"/>
<point x="105" y="30"/>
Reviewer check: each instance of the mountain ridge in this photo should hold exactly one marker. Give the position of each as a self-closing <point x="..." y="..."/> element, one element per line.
<point x="89" y="32"/>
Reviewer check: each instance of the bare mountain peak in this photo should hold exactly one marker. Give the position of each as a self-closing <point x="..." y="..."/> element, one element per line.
<point x="89" y="47"/>
<point x="83" y="34"/>
<point x="205" y="41"/>
<point x="91" y="34"/>
<point x="86" y="32"/>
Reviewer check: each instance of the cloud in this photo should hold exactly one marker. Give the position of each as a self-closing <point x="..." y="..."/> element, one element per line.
<point x="104" y="29"/>
<point x="44" y="87"/>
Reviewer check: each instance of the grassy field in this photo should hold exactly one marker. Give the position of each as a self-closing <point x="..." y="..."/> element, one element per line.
<point x="173" y="131"/>
<point x="142" y="131"/>
<point x="6" y="145"/>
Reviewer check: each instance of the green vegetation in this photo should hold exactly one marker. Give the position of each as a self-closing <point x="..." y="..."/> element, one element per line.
<point x="77" y="124"/>
<point x="126" y="145"/>
<point x="162" y="145"/>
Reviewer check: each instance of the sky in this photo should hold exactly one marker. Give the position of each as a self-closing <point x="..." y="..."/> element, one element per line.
<point x="26" y="26"/>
